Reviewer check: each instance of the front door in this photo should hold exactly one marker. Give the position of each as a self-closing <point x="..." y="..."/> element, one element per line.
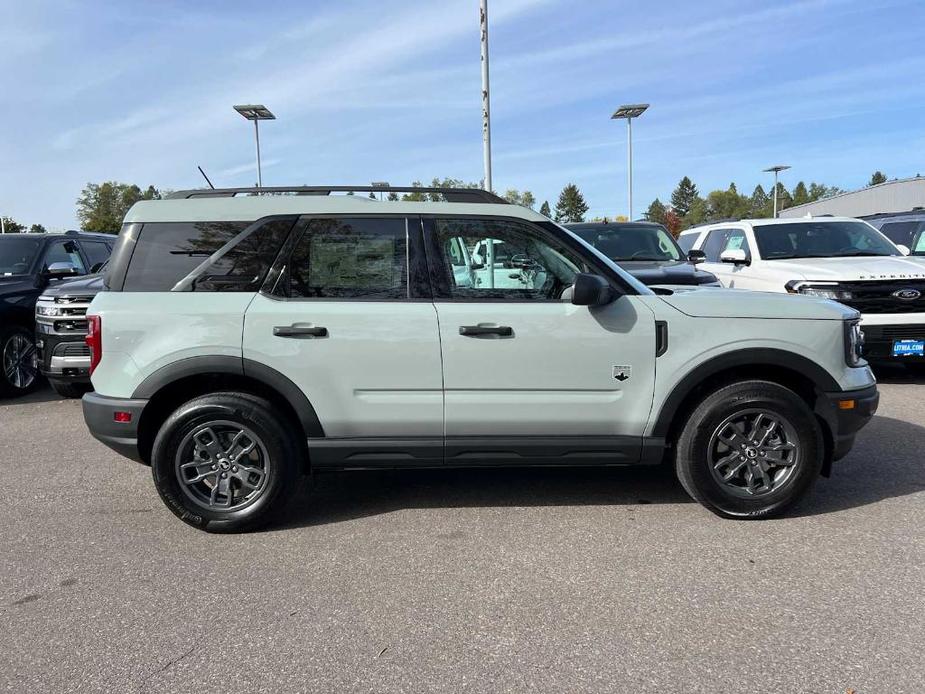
<point x="528" y="376"/>
<point x="345" y="323"/>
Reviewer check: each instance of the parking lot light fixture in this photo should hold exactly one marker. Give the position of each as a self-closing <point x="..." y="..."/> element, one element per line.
<point x="776" y="169"/>
<point x="256" y="113"/>
<point x="628" y="112"/>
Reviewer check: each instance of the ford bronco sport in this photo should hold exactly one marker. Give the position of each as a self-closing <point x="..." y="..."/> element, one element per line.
<point x="245" y="339"/>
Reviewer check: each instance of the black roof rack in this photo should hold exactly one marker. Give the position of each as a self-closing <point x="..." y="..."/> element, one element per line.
<point x="449" y="194"/>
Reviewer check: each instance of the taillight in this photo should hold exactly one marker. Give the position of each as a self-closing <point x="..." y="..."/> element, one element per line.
<point x="94" y="340"/>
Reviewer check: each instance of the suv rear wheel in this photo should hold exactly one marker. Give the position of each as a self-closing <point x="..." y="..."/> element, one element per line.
<point x="751" y="449"/>
<point x="19" y="363"/>
<point x="225" y="462"/>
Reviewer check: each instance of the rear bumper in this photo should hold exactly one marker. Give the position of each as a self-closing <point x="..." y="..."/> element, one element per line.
<point x="846" y="413"/>
<point x="122" y="437"/>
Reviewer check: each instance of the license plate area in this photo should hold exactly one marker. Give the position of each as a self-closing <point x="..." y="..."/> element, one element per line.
<point x="909" y="348"/>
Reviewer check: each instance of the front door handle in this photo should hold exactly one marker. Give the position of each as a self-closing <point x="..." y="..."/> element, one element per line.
<point x="299" y="331"/>
<point x="484" y="330"/>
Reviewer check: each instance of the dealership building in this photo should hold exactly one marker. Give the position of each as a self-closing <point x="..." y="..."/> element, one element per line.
<point x="892" y="196"/>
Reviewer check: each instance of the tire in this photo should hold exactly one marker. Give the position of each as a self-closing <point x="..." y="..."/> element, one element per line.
<point x="19" y="365"/>
<point x="777" y="475"/>
<point x="261" y="483"/>
<point x="67" y="389"/>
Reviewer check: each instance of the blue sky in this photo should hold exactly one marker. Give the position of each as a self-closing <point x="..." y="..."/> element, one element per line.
<point x="142" y="92"/>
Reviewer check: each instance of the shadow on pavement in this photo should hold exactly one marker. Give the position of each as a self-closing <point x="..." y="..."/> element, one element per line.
<point x="342" y="496"/>
<point x="884" y="464"/>
<point x="43" y="393"/>
<point x="897" y="373"/>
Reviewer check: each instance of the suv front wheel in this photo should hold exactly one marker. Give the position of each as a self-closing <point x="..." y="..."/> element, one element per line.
<point x="225" y="462"/>
<point x="19" y="364"/>
<point x="751" y="449"/>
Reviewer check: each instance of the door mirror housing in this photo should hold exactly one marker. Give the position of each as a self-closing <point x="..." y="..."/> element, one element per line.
<point x="59" y="270"/>
<point x="592" y="290"/>
<point x="695" y="255"/>
<point x="903" y="249"/>
<point x="736" y="256"/>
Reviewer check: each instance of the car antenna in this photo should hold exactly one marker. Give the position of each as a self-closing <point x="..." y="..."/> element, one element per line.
<point x="206" y="177"/>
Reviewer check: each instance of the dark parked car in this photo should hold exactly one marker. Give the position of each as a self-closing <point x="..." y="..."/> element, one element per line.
<point x="29" y="265"/>
<point x="60" y="329"/>
<point x="902" y="228"/>
<point x="647" y="251"/>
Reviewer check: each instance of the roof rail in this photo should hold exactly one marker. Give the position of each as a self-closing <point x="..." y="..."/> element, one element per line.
<point x="449" y="194"/>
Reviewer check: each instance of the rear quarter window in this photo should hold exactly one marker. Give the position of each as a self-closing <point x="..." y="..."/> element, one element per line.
<point x="167" y="252"/>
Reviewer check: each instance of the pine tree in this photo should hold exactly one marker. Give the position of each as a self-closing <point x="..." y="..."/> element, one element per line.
<point x="683" y="196"/>
<point x="571" y="206"/>
<point x="759" y="204"/>
<point x="800" y="194"/>
<point x="544" y="209"/>
<point x="393" y="196"/>
<point x="876" y="178"/>
<point x="656" y="212"/>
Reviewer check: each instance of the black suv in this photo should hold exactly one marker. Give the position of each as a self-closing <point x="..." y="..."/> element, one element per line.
<point x="647" y="251"/>
<point x="902" y="228"/>
<point x="29" y="265"/>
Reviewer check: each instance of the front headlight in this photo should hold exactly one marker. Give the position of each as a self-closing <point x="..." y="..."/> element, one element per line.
<point x="854" y="342"/>
<point x="824" y="290"/>
<point x="47" y="311"/>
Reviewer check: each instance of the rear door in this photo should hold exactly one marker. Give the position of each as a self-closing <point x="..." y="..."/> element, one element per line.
<point x="347" y="315"/>
<point x="529" y="376"/>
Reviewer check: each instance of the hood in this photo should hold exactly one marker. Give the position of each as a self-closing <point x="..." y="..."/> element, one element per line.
<point x="851" y="269"/>
<point x="743" y="303"/>
<point x="666" y="272"/>
<point x="16" y="285"/>
<point x="90" y="284"/>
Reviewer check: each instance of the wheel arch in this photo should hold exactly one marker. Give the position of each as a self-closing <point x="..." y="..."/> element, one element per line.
<point x="174" y="384"/>
<point x="805" y="377"/>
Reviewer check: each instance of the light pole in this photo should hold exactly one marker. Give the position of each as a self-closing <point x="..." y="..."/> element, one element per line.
<point x="629" y="111"/>
<point x="776" y="169"/>
<point x="486" y="101"/>
<point x="256" y="112"/>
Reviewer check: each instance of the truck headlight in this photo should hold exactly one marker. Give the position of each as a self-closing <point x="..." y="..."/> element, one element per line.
<point x="824" y="290"/>
<point x="47" y="311"/>
<point x="854" y="342"/>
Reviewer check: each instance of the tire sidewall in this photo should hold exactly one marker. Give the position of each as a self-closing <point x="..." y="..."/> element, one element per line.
<point x="695" y="442"/>
<point x="280" y="463"/>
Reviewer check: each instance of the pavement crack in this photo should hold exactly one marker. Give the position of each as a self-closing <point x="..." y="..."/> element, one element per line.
<point x="167" y="665"/>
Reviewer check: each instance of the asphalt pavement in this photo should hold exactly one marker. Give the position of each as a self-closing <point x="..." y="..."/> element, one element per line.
<point x="607" y="580"/>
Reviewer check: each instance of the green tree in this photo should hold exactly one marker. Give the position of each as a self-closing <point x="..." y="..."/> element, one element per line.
<point x="800" y="194"/>
<point x="683" y="196"/>
<point x="103" y="206"/>
<point x="544" y="209"/>
<point x="727" y="204"/>
<point x="515" y="197"/>
<point x="759" y="204"/>
<point x="393" y="196"/>
<point x="571" y="206"/>
<point x="656" y="212"/>
<point x="37" y="229"/>
<point x="11" y="226"/>
<point x="784" y="199"/>
<point x="876" y="178"/>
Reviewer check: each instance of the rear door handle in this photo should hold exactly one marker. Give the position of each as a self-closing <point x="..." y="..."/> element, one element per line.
<point x="482" y="330"/>
<point x="299" y="331"/>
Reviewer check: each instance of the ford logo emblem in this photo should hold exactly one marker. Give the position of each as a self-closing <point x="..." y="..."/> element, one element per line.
<point x="907" y="294"/>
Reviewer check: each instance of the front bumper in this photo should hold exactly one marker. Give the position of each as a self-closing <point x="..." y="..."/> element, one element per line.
<point x="846" y="413"/>
<point x="63" y="357"/>
<point x="100" y="416"/>
<point x="879" y="339"/>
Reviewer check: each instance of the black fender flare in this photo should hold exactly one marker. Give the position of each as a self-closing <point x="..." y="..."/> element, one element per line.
<point x="236" y="366"/>
<point x="752" y="357"/>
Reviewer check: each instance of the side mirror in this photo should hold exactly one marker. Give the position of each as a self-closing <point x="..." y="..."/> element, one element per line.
<point x="903" y="249"/>
<point x="736" y="256"/>
<point x="58" y="270"/>
<point x="592" y="290"/>
<point x="696" y="256"/>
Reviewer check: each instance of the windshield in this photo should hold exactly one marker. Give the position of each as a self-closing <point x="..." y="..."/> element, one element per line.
<point x="820" y="240"/>
<point x="631" y="241"/>
<point x="17" y="255"/>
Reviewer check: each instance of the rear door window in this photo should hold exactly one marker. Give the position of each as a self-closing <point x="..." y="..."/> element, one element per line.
<point x="348" y="258"/>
